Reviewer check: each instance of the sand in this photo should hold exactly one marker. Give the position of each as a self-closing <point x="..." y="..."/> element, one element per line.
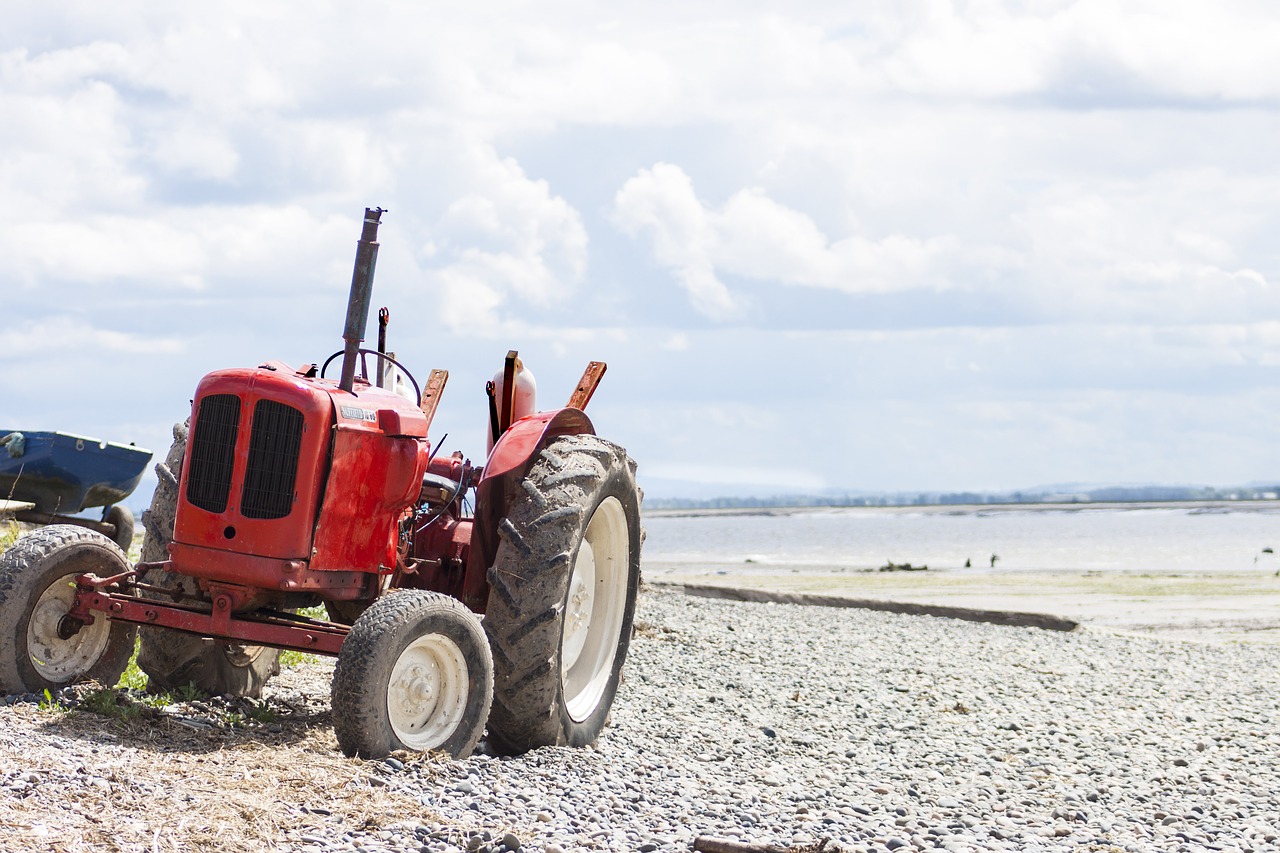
<point x="1209" y="607"/>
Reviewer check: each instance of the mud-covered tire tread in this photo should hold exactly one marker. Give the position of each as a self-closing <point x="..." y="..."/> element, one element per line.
<point x="30" y="567"/>
<point x="358" y="694"/>
<point x="122" y="518"/>
<point x="158" y="520"/>
<point x="528" y="585"/>
<point x="172" y="659"/>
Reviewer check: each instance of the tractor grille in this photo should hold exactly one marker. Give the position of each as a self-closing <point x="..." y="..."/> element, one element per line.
<point x="212" y="451"/>
<point x="273" y="461"/>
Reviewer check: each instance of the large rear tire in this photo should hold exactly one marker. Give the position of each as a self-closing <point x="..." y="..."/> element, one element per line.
<point x="563" y="594"/>
<point x="414" y="673"/>
<point x="37" y="588"/>
<point x="172" y="659"/>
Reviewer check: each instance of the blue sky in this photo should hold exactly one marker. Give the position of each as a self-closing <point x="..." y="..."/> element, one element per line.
<point x="881" y="246"/>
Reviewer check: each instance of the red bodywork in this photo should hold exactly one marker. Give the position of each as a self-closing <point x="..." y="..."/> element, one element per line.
<point x="360" y="458"/>
<point x="294" y="491"/>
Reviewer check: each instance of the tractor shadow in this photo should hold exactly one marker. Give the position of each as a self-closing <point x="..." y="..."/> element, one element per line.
<point x="294" y="711"/>
<point x="192" y="727"/>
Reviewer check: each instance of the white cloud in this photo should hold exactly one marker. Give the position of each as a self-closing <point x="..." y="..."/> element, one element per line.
<point x="105" y="248"/>
<point x="756" y="237"/>
<point x="61" y="337"/>
<point x="1159" y="249"/>
<point x="760" y="238"/>
<point x="508" y="238"/>
<point x="67" y="149"/>
<point x="64" y="69"/>
<point x="200" y="151"/>
<point x="677" y="342"/>
<point x="661" y="202"/>
<point x="1088" y="51"/>
<point x="238" y="246"/>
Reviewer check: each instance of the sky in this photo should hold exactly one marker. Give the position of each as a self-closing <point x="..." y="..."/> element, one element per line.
<point x="823" y="246"/>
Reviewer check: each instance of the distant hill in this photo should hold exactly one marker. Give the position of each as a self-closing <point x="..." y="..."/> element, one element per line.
<point x="1065" y="493"/>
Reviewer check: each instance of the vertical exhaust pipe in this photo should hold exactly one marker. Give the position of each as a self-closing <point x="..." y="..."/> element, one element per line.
<point x="361" y="294"/>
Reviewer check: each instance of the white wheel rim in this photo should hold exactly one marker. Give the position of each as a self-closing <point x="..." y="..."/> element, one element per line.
<point x="594" y="608"/>
<point x="55" y="659"/>
<point x="427" y="693"/>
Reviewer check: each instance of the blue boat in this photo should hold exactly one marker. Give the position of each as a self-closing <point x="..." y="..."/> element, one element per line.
<point x="62" y="474"/>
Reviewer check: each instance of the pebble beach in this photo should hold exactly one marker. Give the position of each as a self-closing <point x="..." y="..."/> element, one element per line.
<point x="751" y="722"/>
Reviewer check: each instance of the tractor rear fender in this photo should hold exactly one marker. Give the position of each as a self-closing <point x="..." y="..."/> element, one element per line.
<point x="507" y="466"/>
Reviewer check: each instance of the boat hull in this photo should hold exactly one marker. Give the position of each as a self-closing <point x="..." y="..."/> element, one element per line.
<point x="65" y="473"/>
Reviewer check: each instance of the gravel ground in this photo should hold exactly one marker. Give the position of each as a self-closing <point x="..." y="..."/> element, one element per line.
<point x="763" y="723"/>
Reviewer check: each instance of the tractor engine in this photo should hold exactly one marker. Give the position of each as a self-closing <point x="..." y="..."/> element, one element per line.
<point x="294" y="485"/>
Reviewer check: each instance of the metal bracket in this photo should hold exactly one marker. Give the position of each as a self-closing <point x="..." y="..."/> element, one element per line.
<point x="508" y="392"/>
<point x="587" y="385"/>
<point x="431" y="393"/>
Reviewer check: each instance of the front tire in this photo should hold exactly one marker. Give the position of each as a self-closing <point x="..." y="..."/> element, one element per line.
<point x="37" y="588"/>
<point x="563" y="595"/>
<point x="414" y="673"/>
<point x="172" y="659"/>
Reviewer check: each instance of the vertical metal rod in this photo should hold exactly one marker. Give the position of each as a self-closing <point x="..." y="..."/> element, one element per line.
<point x="361" y="293"/>
<point x="384" y="316"/>
<point x="491" y="389"/>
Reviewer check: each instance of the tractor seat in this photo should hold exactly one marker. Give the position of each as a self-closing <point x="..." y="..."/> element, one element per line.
<point x="438" y="489"/>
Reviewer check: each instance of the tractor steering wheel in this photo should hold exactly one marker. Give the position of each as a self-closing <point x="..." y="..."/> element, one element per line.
<point x="364" y="367"/>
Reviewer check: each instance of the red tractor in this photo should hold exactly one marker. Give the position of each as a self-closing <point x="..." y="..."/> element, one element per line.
<point x="292" y="490"/>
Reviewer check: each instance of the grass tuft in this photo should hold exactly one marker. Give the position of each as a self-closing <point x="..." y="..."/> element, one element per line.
<point x="9" y="533"/>
<point x="110" y="703"/>
<point x="133" y="678"/>
<point x="48" y="703"/>
<point x="260" y="712"/>
<point x="290" y="659"/>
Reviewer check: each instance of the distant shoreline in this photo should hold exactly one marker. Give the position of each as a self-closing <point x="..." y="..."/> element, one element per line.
<point x="966" y="509"/>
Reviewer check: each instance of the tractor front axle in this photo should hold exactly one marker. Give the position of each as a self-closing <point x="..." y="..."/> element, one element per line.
<point x="102" y="597"/>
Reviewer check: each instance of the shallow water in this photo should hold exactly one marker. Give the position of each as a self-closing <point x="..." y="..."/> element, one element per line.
<point x="1199" y="537"/>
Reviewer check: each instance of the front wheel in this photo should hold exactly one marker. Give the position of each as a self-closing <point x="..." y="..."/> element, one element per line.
<point x="563" y="595"/>
<point x="414" y="673"/>
<point x="37" y="588"/>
